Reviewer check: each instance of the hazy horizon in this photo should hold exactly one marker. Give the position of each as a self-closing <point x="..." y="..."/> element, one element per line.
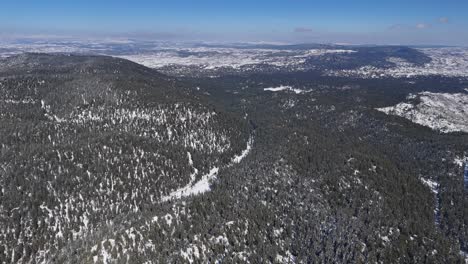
<point x="358" y="22"/>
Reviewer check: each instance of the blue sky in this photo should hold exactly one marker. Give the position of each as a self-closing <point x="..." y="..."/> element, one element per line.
<point x="351" y="21"/>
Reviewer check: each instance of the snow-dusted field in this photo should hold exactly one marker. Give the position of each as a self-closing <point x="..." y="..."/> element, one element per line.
<point x="440" y="111"/>
<point x="452" y="62"/>
<point x="161" y="54"/>
<point x="212" y="58"/>
<point x="10" y="49"/>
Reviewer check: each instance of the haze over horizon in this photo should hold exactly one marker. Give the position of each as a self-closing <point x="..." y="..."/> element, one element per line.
<point x="357" y="22"/>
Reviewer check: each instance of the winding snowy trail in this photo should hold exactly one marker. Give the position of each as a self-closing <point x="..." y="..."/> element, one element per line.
<point x="203" y="185"/>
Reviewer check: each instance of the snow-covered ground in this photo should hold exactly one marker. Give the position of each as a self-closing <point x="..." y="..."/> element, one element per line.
<point x="452" y="62"/>
<point x="444" y="112"/>
<point x="244" y="153"/>
<point x="212" y="58"/>
<point x="161" y="54"/>
<point x="203" y="185"/>
<point x="465" y="255"/>
<point x="13" y="48"/>
<point x="193" y="188"/>
<point x="459" y="161"/>
<point x="431" y="184"/>
<point x="284" y="88"/>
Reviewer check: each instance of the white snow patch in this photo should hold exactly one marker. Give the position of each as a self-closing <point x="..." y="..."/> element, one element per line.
<point x="277" y="232"/>
<point x="190" y="253"/>
<point x="316" y="52"/>
<point x="189" y="156"/>
<point x="460" y="161"/>
<point x="385" y="239"/>
<point x="203" y="185"/>
<point x="284" y="88"/>
<point x="464" y="255"/>
<point x="288" y="258"/>
<point x="85" y="221"/>
<point x="221" y="240"/>
<point x="433" y="185"/>
<point x="43" y="207"/>
<point x="22" y="101"/>
<point x="211" y="58"/>
<point x="444" y="112"/>
<point x="244" y="153"/>
<point x="168" y="219"/>
<point x="451" y="62"/>
<point x="105" y="255"/>
<point x="279" y="88"/>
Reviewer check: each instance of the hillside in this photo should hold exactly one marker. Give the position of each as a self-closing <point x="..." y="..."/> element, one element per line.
<point x="86" y="142"/>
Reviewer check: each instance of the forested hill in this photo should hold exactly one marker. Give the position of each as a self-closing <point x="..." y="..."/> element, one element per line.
<point x="87" y="141"/>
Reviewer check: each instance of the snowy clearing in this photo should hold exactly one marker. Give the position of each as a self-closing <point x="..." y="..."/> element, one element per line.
<point x="284" y="88"/>
<point x="444" y="112"/>
<point x="203" y="185"/>
<point x="213" y="58"/>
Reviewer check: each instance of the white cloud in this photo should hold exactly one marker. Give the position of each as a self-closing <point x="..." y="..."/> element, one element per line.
<point x="422" y="26"/>
<point x="443" y="20"/>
